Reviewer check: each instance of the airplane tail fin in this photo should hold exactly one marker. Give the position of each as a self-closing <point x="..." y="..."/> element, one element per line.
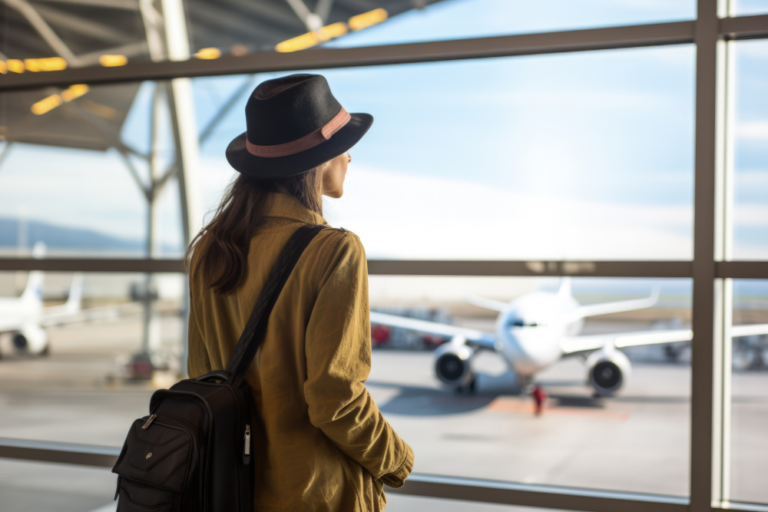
<point x="34" y="289"/>
<point x="616" y="307"/>
<point x="33" y="292"/>
<point x="75" y="294"/>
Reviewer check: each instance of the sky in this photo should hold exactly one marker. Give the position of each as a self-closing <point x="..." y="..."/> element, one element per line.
<point x="580" y="155"/>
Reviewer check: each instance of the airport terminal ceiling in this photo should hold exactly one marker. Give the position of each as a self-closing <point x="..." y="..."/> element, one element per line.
<point x="81" y="33"/>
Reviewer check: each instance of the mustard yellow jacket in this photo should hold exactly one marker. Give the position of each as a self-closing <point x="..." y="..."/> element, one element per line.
<point x="322" y="443"/>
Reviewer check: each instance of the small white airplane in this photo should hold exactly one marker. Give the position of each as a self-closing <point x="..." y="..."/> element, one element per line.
<point x="25" y="317"/>
<point x="540" y="328"/>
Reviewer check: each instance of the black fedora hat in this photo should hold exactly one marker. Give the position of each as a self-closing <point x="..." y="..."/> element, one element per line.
<point x="293" y="124"/>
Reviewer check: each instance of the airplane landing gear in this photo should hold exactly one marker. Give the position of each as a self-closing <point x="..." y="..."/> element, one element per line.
<point x="469" y="387"/>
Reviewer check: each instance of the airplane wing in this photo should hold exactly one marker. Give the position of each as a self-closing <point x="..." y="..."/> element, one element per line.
<point x="614" y="307"/>
<point x="650" y="337"/>
<point x="749" y="330"/>
<point x="621" y="340"/>
<point x="10" y="324"/>
<point x="484" y="339"/>
<point x="482" y="302"/>
<point x="87" y="315"/>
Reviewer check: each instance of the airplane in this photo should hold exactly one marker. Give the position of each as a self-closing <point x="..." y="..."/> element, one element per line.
<point x="26" y="318"/>
<point x="540" y="328"/>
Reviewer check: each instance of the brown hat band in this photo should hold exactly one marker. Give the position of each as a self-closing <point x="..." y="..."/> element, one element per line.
<point x="304" y="143"/>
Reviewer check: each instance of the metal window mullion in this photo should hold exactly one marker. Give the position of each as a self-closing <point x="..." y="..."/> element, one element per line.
<point x="724" y="252"/>
<point x="705" y="423"/>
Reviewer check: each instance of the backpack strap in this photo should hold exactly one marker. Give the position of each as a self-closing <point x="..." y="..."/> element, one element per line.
<point x="256" y="328"/>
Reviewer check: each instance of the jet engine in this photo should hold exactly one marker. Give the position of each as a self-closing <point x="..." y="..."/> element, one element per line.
<point x="453" y="363"/>
<point x="609" y="370"/>
<point x="33" y="339"/>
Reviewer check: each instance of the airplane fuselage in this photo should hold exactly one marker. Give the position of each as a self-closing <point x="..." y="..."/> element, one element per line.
<point x="529" y="331"/>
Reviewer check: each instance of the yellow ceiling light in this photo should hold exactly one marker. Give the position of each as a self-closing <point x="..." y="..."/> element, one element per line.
<point x="74" y="91"/>
<point x="332" y="31"/>
<point x="46" y="64"/>
<point x="295" y="44"/>
<point x="311" y="39"/>
<point x="15" y="65"/>
<point x="367" y="19"/>
<point x="113" y="61"/>
<point x="208" y="53"/>
<point x="54" y="100"/>
<point x="46" y="104"/>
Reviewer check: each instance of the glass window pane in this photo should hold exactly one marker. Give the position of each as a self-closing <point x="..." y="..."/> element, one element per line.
<point x="76" y="172"/>
<point x="554" y="157"/>
<point x="60" y="487"/>
<point x="111" y="35"/>
<point x="750" y="7"/>
<point x="749" y="398"/>
<point x="81" y="377"/>
<point x="641" y="434"/>
<point x="456" y="19"/>
<point x="751" y="151"/>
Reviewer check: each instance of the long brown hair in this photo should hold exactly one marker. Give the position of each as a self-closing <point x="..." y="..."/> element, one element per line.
<point x="220" y="249"/>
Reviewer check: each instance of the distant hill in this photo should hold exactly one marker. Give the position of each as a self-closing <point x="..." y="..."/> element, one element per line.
<point x="62" y="237"/>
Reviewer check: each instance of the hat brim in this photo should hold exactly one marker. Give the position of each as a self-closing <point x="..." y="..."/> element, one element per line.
<point x="291" y="165"/>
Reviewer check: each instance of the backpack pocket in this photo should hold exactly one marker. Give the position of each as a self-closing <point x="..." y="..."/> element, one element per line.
<point x="156" y="465"/>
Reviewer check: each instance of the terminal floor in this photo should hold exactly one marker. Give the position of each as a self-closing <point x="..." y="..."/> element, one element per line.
<point x="637" y="441"/>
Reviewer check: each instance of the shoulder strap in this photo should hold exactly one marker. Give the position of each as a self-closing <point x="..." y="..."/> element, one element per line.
<point x="256" y="328"/>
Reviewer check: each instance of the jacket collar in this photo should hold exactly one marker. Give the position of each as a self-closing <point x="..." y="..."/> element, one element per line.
<point x="288" y="207"/>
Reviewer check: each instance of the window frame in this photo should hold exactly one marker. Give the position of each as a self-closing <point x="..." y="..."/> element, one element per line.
<point x="711" y="269"/>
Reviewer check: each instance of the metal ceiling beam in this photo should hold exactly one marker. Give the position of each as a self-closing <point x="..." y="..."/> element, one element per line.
<point x="83" y="26"/>
<point x="485" y="47"/>
<point x="44" y="30"/>
<point x="129" y="50"/>
<point x="127" y="5"/>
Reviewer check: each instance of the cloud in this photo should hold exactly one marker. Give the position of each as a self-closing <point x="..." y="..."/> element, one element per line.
<point x="401" y="216"/>
<point x="753" y="130"/>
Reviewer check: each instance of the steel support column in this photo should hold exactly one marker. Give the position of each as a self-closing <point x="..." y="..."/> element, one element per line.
<point x="706" y="411"/>
<point x="184" y="126"/>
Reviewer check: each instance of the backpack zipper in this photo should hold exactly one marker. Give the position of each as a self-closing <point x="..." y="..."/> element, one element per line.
<point x="149" y="421"/>
<point x="247" y="446"/>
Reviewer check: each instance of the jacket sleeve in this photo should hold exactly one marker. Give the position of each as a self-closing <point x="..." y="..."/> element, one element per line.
<point x="198" y="361"/>
<point x="338" y="350"/>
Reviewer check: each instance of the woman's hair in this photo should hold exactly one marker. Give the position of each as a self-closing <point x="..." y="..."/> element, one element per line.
<point x="220" y="250"/>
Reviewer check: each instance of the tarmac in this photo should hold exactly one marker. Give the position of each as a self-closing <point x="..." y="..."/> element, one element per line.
<point x="637" y="441"/>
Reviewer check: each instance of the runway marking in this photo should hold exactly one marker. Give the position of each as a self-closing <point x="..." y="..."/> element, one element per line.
<point x="518" y="407"/>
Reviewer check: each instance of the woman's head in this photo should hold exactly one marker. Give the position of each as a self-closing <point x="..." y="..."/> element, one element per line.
<point x="297" y="141"/>
<point x="293" y="124"/>
<point x="221" y="247"/>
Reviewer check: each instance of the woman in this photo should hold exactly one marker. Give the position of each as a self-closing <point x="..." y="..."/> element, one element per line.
<point x="322" y="444"/>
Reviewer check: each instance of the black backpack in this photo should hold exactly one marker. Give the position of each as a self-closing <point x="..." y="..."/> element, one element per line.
<point x="193" y="452"/>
